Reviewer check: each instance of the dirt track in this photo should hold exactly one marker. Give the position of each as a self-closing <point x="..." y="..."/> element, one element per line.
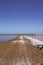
<point x="19" y="51"/>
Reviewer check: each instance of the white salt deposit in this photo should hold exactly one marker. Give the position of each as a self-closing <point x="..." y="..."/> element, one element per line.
<point x="34" y="42"/>
<point x="21" y="37"/>
<point x="21" y="41"/>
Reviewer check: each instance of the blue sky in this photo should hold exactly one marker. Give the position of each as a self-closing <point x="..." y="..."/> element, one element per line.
<point x="21" y="16"/>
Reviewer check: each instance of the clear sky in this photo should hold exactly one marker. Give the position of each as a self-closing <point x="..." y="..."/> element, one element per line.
<point x="21" y="16"/>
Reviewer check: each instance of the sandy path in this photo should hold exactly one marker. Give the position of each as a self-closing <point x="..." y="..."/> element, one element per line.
<point x="23" y="56"/>
<point x="16" y="54"/>
<point x="21" y="52"/>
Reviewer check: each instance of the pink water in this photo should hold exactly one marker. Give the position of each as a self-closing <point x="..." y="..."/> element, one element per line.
<point x="38" y="37"/>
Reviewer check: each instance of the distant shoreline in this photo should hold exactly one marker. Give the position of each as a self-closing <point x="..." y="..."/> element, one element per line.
<point x="24" y="34"/>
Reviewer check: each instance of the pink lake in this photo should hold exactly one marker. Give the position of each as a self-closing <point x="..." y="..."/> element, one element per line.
<point x="38" y="37"/>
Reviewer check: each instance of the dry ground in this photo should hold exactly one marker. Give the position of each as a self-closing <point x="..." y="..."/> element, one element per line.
<point x="20" y="53"/>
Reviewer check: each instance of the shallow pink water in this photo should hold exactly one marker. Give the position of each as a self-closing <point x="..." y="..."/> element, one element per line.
<point x="38" y="37"/>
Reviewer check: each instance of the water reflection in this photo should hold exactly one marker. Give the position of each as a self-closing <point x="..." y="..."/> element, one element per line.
<point x="6" y="38"/>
